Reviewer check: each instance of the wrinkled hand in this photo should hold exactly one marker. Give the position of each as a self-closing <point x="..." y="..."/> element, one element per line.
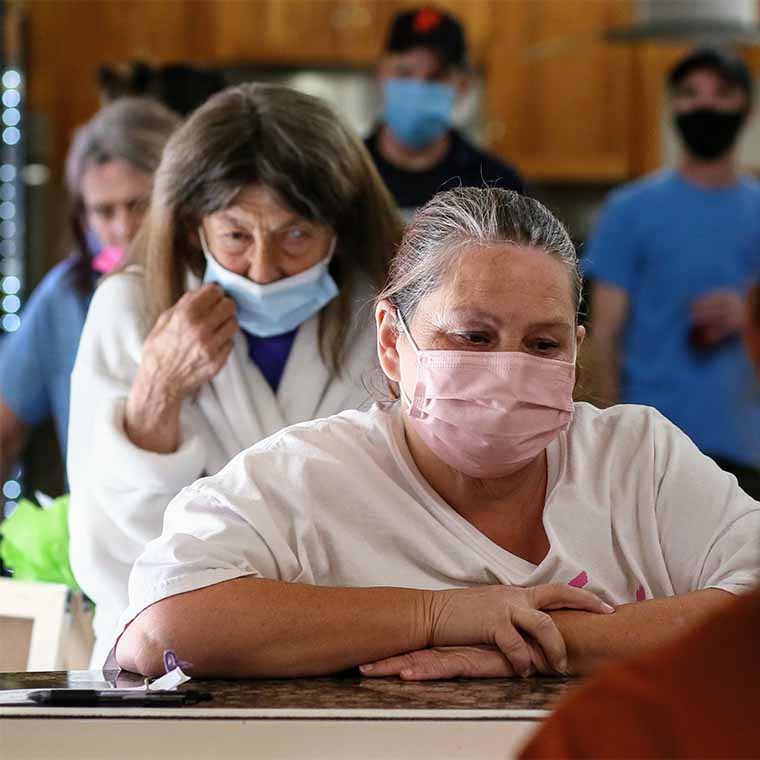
<point x="189" y="343"/>
<point x="510" y="621"/>
<point x="717" y="315"/>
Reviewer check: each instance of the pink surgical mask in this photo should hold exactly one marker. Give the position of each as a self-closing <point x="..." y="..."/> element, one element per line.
<point x="483" y="412"/>
<point x="108" y="259"/>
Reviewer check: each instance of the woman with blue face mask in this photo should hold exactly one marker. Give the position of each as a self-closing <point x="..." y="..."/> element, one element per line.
<point x="243" y="309"/>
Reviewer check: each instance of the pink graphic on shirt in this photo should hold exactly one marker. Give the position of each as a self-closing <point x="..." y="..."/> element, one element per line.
<point x="641" y="595"/>
<point x="580" y="580"/>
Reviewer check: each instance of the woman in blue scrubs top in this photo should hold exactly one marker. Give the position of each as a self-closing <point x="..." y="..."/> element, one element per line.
<point x="109" y="172"/>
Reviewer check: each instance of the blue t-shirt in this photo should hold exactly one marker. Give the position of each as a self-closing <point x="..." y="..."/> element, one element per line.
<point x="36" y="361"/>
<point x="667" y="242"/>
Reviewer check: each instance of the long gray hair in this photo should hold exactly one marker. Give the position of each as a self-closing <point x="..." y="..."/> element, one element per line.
<point x="293" y="144"/>
<point x="468" y="216"/>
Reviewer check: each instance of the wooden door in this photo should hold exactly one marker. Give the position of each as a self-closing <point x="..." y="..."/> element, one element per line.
<point x="559" y="96"/>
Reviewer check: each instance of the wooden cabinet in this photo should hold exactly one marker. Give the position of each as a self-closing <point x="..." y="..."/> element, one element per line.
<point x="652" y="65"/>
<point x="560" y="102"/>
<point x="296" y="31"/>
<point x="559" y="97"/>
<point x="69" y="39"/>
<point x="348" y="32"/>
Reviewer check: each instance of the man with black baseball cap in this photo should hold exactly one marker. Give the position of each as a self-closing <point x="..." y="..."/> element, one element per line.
<point x="672" y="259"/>
<point x="415" y="147"/>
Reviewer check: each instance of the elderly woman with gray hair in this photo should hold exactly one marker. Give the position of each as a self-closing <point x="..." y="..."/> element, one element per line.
<point x="109" y="172"/>
<point x="479" y="525"/>
<point x="243" y="309"/>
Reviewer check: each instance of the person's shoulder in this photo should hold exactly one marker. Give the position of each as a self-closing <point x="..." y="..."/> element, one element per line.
<point x="338" y="452"/>
<point x="491" y="168"/>
<point x="342" y="434"/>
<point x="125" y="289"/>
<point x="60" y="275"/>
<point x="59" y="281"/>
<point x="648" y="190"/>
<point x="618" y="414"/>
<point x="119" y="306"/>
<point x="622" y="426"/>
<point x="751" y="186"/>
<point x="616" y="449"/>
<point x="53" y="293"/>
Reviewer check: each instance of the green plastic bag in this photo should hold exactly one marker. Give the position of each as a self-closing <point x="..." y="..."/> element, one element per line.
<point x="35" y="543"/>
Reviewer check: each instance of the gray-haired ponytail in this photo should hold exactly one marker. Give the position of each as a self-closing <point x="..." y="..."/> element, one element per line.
<point x="469" y="216"/>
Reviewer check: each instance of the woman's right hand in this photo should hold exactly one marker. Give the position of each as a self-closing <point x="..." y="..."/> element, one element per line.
<point x="187" y="347"/>
<point x="189" y="343"/>
<point x="511" y="619"/>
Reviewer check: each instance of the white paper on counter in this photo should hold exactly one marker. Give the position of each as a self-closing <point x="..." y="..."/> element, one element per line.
<point x="168" y="682"/>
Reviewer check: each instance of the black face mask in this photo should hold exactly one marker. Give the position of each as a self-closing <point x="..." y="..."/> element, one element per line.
<point x="708" y="132"/>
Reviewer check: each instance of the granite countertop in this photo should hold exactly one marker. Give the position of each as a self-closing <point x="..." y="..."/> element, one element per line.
<point x="349" y="693"/>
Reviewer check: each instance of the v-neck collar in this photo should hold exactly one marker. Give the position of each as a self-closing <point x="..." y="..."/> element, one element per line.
<point x="513" y="568"/>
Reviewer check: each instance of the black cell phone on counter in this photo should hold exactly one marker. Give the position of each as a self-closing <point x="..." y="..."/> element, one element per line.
<point x="117" y="697"/>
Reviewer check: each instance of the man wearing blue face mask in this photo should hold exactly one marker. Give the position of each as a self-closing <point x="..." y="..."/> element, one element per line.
<point x="415" y="147"/>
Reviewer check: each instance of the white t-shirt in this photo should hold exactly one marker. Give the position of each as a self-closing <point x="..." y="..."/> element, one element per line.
<point x="633" y="511"/>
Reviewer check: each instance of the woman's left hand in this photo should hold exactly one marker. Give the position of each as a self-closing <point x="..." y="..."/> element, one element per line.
<point x="443" y="663"/>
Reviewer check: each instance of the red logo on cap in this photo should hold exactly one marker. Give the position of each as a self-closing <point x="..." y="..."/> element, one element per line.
<point x="426" y="20"/>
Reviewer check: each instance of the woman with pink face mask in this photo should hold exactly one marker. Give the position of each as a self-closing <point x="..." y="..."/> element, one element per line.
<point x="479" y="525"/>
<point x="109" y="172"/>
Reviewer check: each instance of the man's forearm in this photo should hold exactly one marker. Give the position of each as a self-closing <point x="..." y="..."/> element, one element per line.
<point x="592" y="640"/>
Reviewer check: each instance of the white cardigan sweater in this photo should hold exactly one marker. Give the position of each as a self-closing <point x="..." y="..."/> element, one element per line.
<point x="118" y="491"/>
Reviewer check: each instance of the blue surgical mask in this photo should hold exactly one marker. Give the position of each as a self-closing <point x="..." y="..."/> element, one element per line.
<point x="277" y="307"/>
<point x="417" y="112"/>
